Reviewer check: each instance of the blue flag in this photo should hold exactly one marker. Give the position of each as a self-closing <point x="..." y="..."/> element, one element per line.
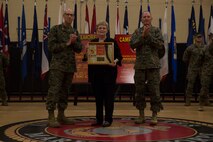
<point x="75" y="14"/>
<point x="148" y="8"/>
<point x="173" y="46"/>
<point x="36" y="55"/>
<point x="126" y="23"/>
<point x="23" y="45"/>
<point x="192" y="27"/>
<point x="140" y="24"/>
<point x="107" y="19"/>
<point x="201" y="28"/>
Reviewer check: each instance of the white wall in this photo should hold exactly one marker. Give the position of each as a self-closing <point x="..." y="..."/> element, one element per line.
<point x="182" y="13"/>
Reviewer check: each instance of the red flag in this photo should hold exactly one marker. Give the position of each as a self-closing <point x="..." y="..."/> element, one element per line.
<point x="93" y="26"/>
<point x="87" y="26"/>
<point x="44" y="57"/>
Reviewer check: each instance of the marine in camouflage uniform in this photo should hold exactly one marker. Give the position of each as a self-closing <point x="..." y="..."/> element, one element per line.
<point x="149" y="45"/>
<point x="4" y="62"/>
<point x="206" y="74"/>
<point x="63" y="43"/>
<point x="193" y="56"/>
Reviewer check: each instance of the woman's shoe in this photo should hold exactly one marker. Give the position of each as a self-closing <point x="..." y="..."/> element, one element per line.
<point x="106" y="124"/>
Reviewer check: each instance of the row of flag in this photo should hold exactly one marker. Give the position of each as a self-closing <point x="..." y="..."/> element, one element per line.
<point x="38" y="57"/>
<point x="164" y="61"/>
<point x="34" y="55"/>
<point x="117" y="21"/>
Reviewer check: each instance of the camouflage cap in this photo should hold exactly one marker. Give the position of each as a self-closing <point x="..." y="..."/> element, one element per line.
<point x="198" y="35"/>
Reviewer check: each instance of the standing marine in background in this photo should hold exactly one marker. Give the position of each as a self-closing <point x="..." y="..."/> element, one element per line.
<point x="63" y="43"/>
<point x="206" y="74"/>
<point x="149" y="45"/>
<point x="4" y="62"/>
<point x="193" y="57"/>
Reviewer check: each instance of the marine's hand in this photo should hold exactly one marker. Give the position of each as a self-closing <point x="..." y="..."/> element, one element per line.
<point x="73" y="38"/>
<point x="145" y="31"/>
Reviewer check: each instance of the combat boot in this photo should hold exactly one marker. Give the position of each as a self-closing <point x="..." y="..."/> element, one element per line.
<point x="207" y="102"/>
<point x="141" y="118"/>
<point x="200" y="108"/>
<point x="62" y="118"/>
<point x="201" y="104"/>
<point x="51" y="120"/>
<point x="188" y="102"/>
<point x="154" y="119"/>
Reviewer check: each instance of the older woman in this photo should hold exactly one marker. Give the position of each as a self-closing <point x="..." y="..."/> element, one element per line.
<point x="103" y="79"/>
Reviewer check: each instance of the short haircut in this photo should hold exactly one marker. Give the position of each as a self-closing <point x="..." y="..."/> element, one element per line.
<point x="102" y="23"/>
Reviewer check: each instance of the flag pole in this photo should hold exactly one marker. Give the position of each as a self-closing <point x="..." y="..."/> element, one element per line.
<point x="141" y="1"/>
<point x="166" y="2"/>
<point x="193" y="2"/>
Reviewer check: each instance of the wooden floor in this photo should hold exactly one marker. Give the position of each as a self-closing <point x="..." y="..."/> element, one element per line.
<point x="22" y="111"/>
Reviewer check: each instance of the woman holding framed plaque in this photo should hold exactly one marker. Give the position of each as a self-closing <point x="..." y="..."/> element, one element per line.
<point x="102" y="72"/>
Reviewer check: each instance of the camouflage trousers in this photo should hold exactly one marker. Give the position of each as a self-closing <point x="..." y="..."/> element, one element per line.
<point x="204" y="92"/>
<point x="3" y="93"/>
<point x="59" y="83"/>
<point x="191" y="78"/>
<point x="149" y="78"/>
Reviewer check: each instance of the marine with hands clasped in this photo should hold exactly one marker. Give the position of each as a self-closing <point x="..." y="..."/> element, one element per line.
<point x="63" y="43"/>
<point x="193" y="57"/>
<point x="149" y="45"/>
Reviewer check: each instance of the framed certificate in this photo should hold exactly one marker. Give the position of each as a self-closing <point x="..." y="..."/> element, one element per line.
<point x="100" y="53"/>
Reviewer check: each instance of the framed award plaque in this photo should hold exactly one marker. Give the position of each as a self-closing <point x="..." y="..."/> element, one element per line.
<point x="100" y="53"/>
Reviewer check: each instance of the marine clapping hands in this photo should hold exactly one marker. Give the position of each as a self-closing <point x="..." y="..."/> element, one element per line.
<point x="145" y="31"/>
<point x="73" y="38"/>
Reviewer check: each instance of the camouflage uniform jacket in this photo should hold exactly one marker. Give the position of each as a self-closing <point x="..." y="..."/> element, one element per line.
<point x="63" y="56"/>
<point x="4" y="62"/>
<point x="149" y="50"/>
<point x="193" y="56"/>
<point x="207" y="67"/>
